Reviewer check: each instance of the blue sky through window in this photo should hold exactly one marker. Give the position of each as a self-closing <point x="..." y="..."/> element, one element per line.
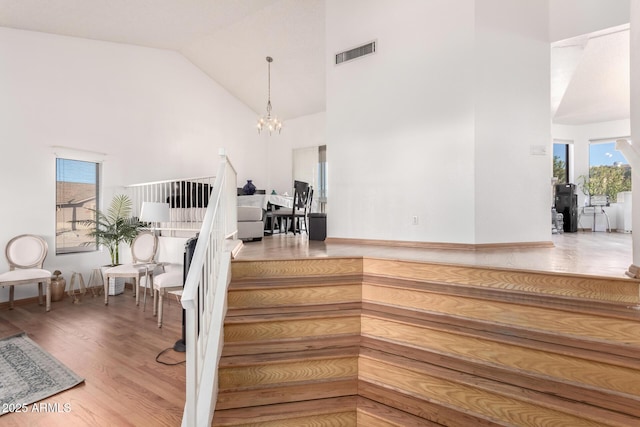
<point x="605" y="154"/>
<point x="75" y="171"/>
<point x="599" y="154"/>
<point x="559" y="151"/>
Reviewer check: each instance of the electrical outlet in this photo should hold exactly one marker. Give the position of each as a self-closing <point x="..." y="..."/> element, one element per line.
<point x="415" y="220"/>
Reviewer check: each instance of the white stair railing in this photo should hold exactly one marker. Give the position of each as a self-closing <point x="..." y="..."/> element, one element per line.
<point x="204" y="298"/>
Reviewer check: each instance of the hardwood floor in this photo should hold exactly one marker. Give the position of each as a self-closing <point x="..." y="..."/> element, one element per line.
<point x="114" y="349"/>
<point x="585" y="252"/>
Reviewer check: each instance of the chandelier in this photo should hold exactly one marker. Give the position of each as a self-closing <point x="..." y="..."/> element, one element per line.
<point x="269" y="122"/>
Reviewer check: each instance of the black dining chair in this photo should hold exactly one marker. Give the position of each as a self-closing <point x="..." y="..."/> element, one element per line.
<point x="301" y="204"/>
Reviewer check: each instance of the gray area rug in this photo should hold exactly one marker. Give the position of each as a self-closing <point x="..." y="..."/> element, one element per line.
<point x="29" y="374"/>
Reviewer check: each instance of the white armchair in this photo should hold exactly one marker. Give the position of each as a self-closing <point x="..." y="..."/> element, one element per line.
<point x="26" y="254"/>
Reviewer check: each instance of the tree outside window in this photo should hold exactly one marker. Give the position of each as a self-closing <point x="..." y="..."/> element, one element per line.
<point x="609" y="172"/>
<point x="561" y="162"/>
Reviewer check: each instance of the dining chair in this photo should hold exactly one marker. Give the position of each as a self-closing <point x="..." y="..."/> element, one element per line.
<point x="299" y="210"/>
<point x="171" y="279"/>
<point x="143" y="252"/>
<point x="302" y="215"/>
<point x="25" y="254"/>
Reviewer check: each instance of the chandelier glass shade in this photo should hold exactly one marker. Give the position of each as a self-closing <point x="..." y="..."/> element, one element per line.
<point x="269" y="122"/>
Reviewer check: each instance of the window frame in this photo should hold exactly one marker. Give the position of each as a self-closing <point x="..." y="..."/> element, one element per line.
<point x="567" y="154"/>
<point x="63" y="250"/>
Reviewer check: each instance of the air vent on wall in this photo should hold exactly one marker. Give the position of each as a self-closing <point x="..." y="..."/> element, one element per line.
<point x="356" y="52"/>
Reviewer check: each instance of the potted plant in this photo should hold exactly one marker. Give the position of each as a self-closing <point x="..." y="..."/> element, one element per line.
<point x="115" y="226"/>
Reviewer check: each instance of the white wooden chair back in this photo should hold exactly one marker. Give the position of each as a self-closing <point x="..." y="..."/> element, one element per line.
<point x="144" y="247"/>
<point x="26" y="251"/>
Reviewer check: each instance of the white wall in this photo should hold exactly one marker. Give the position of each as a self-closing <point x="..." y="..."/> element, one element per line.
<point x="154" y="115"/>
<point x="571" y="18"/>
<point x="512" y="113"/>
<point x="305" y="131"/>
<point x="400" y="122"/>
<point x="439" y="122"/>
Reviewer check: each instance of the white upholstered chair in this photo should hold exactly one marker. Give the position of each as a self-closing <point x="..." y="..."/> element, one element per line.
<point x="26" y="254"/>
<point x="170" y="280"/>
<point x="143" y="252"/>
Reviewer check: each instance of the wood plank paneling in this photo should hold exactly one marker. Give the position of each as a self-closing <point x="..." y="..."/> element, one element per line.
<point x="437" y="344"/>
<point x="287" y="371"/>
<point x="566" y="375"/>
<point x="526" y="360"/>
<point x="466" y="398"/>
<point x="296" y="268"/>
<point x="301" y="296"/>
<point x="114" y="349"/>
<point x="287" y="392"/>
<point x="345" y="343"/>
<point x="575" y="286"/>
<point x="338" y="412"/>
<point x="374" y="414"/>
<point x="429" y="411"/>
<point x="316" y="325"/>
<point x="621" y="332"/>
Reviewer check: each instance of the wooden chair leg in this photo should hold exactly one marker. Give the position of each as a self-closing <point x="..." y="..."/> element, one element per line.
<point x="106" y="290"/>
<point x="155" y="302"/>
<point x="48" y="298"/>
<point x="11" y="292"/>
<point x="39" y="293"/>
<point x="160" y="303"/>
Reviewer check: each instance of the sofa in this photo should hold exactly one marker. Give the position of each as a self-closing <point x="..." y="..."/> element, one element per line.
<point x="250" y="223"/>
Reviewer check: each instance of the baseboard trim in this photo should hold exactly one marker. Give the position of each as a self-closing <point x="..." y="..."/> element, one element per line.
<point x="441" y="245"/>
<point x="92" y="292"/>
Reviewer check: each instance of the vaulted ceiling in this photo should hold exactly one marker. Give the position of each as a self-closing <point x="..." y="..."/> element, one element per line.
<point x="590" y="77"/>
<point x="230" y="39"/>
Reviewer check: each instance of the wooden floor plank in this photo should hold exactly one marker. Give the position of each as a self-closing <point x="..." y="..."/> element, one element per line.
<point x="114" y="349"/>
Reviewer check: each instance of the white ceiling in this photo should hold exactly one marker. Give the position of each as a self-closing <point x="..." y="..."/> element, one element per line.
<point x="229" y="40"/>
<point x="590" y="77"/>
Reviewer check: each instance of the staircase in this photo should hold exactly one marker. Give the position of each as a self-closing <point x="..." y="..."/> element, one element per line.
<point x="371" y="342"/>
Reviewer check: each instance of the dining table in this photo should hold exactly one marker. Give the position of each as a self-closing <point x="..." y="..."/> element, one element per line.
<point x="263" y="200"/>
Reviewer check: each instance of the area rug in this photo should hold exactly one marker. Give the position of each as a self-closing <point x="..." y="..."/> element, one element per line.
<point x="29" y="374"/>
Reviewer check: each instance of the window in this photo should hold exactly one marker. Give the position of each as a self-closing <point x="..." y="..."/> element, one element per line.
<point x="77" y="188"/>
<point x="322" y="175"/>
<point x="561" y="162"/>
<point x="609" y="171"/>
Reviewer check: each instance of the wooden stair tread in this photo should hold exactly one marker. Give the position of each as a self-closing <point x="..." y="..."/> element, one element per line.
<point x="230" y="417"/>
<point x="289" y="282"/>
<point x="288" y="356"/>
<point x="294" y="314"/>
<point x="511" y="316"/>
<point x="297" y="344"/>
<point x="584" y="349"/>
<point x="624" y="290"/>
<point x="233" y="312"/>
<point x="376" y="414"/>
<point x="427" y="344"/>
<point x="606" y="307"/>
<point x="454" y="388"/>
